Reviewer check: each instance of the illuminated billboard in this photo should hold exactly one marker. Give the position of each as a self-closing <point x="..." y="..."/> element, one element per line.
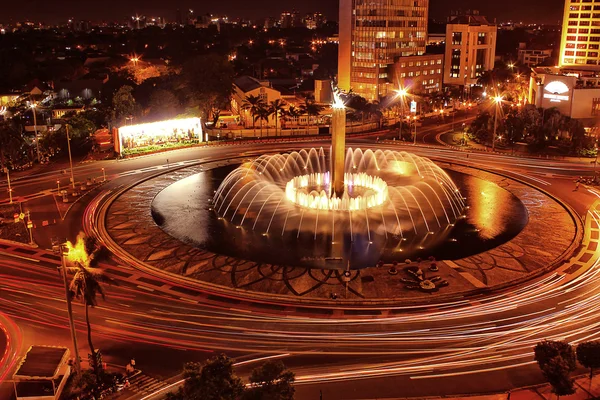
<point x="156" y="135"/>
<point x="557" y="92"/>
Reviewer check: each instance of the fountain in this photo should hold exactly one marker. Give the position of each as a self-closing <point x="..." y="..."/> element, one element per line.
<point x="357" y="200"/>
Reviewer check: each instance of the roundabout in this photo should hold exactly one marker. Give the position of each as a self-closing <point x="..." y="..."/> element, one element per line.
<point x="167" y="225"/>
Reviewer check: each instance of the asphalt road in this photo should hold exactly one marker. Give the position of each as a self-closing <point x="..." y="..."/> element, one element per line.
<point x="476" y="345"/>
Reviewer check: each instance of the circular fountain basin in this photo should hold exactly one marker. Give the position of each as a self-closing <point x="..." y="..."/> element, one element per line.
<point x="424" y="212"/>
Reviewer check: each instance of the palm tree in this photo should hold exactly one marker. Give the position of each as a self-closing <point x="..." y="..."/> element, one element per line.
<point x="293" y="113"/>
<point x="263" y="113"/>
<point x="276" y="107"/>
<point x="253" y="104"/>
<point x="311" y="109"/>
<point x="86" y="286"/>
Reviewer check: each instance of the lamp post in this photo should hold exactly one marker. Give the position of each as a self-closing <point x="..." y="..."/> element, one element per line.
<point x="415" y="122"/>
<point x="37" y="140"/>
<point x="70" y="158"/>
<point x="9" y="188"/>
<point x="401" y="93"/>
<point x="498" y="101"/>
<point x="63" y="251"/>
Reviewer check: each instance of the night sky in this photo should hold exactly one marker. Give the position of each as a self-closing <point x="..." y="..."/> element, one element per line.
<point x="53" y="11"/>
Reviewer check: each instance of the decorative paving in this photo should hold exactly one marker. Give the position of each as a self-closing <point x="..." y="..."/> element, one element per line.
<point x="536" y="248"/>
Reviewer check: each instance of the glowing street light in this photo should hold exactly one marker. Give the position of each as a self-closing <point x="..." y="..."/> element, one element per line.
<point x="497" y="102"/>
<point x="134" y="60"/>
<point x="401" y="94"/>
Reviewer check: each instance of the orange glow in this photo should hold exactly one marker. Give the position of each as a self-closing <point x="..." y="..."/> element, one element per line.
<point x="77" y="253"/>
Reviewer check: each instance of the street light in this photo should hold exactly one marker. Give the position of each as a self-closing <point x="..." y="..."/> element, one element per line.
<point x="401" y="93"/>
<point x="62" y="250"/>
<point x="70" y="158"/>
<point x="37" y="140"/>
<point x="6" y="170"/>
<point x="497" y="101"/>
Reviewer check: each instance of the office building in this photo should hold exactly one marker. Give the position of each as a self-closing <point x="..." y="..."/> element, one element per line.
<point x="580" y="41"/>
<point x="470" y="48"/>
<point x="374" y="34"/>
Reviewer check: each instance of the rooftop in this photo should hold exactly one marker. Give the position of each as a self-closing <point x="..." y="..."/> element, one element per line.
<point x="470" y="19"/>
<point x="41" y="362"/>
<point x="247" y="83"/>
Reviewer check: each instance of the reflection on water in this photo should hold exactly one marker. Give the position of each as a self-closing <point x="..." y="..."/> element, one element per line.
<point x="184" y="211"/>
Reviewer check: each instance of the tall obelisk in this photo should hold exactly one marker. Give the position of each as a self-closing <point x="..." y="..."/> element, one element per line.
<point x="338" y="145"/>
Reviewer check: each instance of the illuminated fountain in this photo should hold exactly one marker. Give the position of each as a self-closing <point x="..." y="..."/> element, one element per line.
<point x="373" y="201"/>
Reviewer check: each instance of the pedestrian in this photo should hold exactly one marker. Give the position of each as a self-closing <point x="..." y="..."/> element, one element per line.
<point x="576" y="185"/>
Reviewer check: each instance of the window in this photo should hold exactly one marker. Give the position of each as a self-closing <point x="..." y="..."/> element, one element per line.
<point x="586" y="31"/>
<point x="572" y="30"/>
<point x="574" y="15"/>
<point x="581" y="46"/>
<point x="457" y="38"/>
<point x="580" y="54"/>
<point x="593" y="54"/>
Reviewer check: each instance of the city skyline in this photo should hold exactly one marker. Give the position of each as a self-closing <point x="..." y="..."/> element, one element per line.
<point x="112" y="10"/>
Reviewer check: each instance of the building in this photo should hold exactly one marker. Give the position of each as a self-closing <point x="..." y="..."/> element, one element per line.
<point x="245" y="86"/>
<point x="42" y="373"/>
<point x="580" y="40"/>
<point x="534" y="56"/>
<point x="419" y="74"/>
<point x="574" y="94"/>
<point x="373" y="35"/>
<point x="314" y="20"/>
<point x="290" y="19"/>
<point x="470" y="48"/>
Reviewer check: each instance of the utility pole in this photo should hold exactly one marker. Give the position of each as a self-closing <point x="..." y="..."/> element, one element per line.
<point x="37" y="139"/>
<point x="62" y="248"/>
<point x="70" y="158"/>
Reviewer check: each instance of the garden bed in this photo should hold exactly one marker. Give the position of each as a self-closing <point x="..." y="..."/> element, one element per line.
<point x="9" y="230"/>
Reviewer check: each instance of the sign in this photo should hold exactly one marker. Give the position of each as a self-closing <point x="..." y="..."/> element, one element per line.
<point x="29" y="225"/>
<point x="556" y="92"/>
<point x="413" y="106"/>
<point x="21" y="216"/>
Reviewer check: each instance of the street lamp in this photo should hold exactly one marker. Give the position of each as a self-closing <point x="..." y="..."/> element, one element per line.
<point x="6" y="170"/>
<point x="70" y="158"/>
<point x="37" y="140"/>
<point x="415" y="122"/>
<point x="497" y="101"/>
<point x="62" y="250"/>
<point x="401" y="93"/>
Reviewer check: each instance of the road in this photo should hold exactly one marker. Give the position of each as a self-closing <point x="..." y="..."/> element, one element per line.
<point x="470" y="346"/>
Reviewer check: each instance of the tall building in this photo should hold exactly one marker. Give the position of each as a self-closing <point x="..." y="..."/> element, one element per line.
<point x="373" y="35"/>
<point x="580" y="42"/>
<point x="470" y="48"/>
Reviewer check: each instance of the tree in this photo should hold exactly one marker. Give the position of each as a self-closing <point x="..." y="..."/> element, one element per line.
<point x="86" y="285"/>
<point x="271" y="381"/>
<point x="253" y="104"/>
<point x="263" y="114"/>
<point x="163" y="104"/>
<point x="557" y="371"/>
<point x="213" y="380"/>
<point x="588" y="355"/>
<point x="208" y="83"/>
<point x="11" y="142"/>
<point x="557" y="360"/>
<point x="277" y="109"/>
<point x="292" y="113"/>
<point x="546" y="350"/>
<point x="311" y="108"/>
<point x="123" y="105"/>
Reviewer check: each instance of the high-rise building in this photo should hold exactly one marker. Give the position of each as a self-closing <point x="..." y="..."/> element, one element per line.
<point x="580" y="42"/>
<point x="373" y="35"/>
<point x="470" y="48"/>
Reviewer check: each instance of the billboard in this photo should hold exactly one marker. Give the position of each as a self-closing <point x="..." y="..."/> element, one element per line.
<point x="168" y="134"/>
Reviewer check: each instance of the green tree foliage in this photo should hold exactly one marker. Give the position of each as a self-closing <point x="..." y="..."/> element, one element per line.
<point x="123" y="105"/>
<point x="546" y="350"/>
<point x="208" y="83"/>
<point x="276" y="108"/>
<point x="271" y="381"/>
<point x="163" y="104"/>
<point x="588" y="355"/>
<point x="557" y="371"/>
<point x="253" y="104"/>
<point x="557" y="360"/>
<point x="213" y="380"/>
<point x="11" y="145"/>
